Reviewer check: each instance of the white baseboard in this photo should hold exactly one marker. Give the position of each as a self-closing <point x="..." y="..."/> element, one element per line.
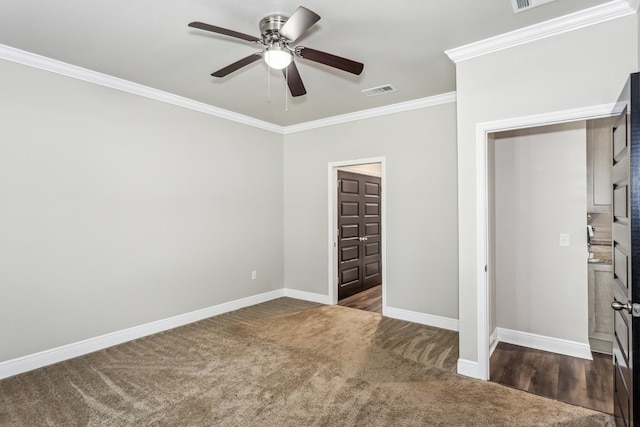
<point x="540" y="342"/>
<point x="422" y="318"/>
<point x="493" y="341"/>
<point x="69" y="351"/>
<point x="469" y="368"/>
<point x="307" y="296"/>
<point x="47" y="357"/>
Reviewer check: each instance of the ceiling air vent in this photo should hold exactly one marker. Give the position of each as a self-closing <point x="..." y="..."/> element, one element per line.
<point x="522" y="5"/>
<point x="380" y="90"/>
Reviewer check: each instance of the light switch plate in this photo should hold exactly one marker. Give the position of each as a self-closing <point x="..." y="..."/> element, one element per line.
<point x="564" y="239"/>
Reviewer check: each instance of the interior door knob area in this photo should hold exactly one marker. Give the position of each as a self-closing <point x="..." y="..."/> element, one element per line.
<point x="632" y="308"/>
<point x="617" y="305"/>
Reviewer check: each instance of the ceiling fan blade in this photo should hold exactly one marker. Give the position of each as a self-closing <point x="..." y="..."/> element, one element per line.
<point x="224" y="31"/>
<point x="237" y="65"/>
<point x="331" y="60"/>
<point x="294" y="81"/>
<point x="301" y="20"/>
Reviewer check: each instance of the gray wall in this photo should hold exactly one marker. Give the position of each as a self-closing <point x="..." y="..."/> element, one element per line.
<point x="573" y="70"/>
<point x="420" y="151"/>
<point x="118" y="210"/>
<point x="540" y="192"/>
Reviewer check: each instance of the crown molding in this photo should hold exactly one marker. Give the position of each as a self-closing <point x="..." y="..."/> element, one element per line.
<point x="44" y="63"/>
<point x="431" y="101"/>
<point x="595" y="15"/>
<point x="63" y="68"/>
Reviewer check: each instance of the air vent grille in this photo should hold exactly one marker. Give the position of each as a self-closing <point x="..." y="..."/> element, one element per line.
<point x="522" y="5"/>
<point x="380" y="90"/>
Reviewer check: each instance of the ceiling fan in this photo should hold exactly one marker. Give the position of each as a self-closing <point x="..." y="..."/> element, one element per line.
<point x="277" y="33"/>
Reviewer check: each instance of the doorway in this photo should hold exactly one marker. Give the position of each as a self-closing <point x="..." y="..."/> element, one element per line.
<point x="538" y="205"/>
<point x="357" y="262"/>
<point x="539" y="239"/>
<point x="484" y="256"/>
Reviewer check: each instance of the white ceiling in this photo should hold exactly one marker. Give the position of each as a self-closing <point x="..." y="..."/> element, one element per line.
<point x="148" y="42"/>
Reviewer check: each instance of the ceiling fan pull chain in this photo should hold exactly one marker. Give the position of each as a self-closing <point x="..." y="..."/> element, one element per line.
<point x="286" y="84"/>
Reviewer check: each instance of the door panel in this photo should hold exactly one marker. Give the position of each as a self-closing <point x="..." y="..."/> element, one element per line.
<point x="620" y="141"/>
<point x="350" y="253"/>
<point x="620" y="233"/>
<point x="626" y="254"/>
<point x="620" y="268"/>
<point x="372" y="229"/>
<point x="349" y="186"/>
<point x="350" y="275"/>
<point x="349" y="231"/>
<point x="359" y="256"/>
<point x="622" y="336"/>
<point x="620" y="201"/>
<point x="371" y="249"/>
<point x="349" y="209"/>
<point x="372" y="209"/>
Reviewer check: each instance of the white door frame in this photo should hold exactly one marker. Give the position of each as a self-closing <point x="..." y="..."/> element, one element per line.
<point x="332" y="183"/>
<point x="484" y="305"/>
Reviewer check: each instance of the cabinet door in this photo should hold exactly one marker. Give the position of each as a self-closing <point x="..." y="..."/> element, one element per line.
<point x="599" y="165"/>
<point x="600" y="313"/>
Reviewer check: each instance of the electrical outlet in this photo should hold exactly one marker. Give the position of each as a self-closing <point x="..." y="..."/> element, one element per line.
<point x="254" y="275"/>
<point x="564" y="240"/>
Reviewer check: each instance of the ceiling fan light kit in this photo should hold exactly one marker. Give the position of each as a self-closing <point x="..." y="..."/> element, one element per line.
<point x="277" y="32"/>
<point x="277" y="57"/>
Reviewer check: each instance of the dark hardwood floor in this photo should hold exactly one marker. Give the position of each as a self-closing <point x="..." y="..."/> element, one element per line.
<point x="368" y="300"/>
<point x="577" y="381"/>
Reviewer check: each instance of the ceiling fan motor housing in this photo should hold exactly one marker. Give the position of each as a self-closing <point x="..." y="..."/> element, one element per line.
<point x="270" y="27"/>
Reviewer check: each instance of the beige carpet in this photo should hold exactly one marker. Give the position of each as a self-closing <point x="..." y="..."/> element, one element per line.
<point x="281" y="363"/>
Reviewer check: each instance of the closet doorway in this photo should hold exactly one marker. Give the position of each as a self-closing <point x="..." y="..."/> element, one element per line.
<point x="357" y="234"/>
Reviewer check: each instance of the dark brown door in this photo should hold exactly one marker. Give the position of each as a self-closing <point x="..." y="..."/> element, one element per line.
<point x="626" y="255"/>
<point x="359" y="228"/>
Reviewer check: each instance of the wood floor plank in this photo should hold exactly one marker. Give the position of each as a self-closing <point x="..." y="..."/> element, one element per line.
<point x="572" y="381"/>
<point x="500" y="363"/>
<point x="523" y="369"/>
<point x="600" y="382"/>
<point x="508" y="362"/>
<point x="368" y="300"/>
<point x="577" y="381"/>
<point x="544" y="376"/>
